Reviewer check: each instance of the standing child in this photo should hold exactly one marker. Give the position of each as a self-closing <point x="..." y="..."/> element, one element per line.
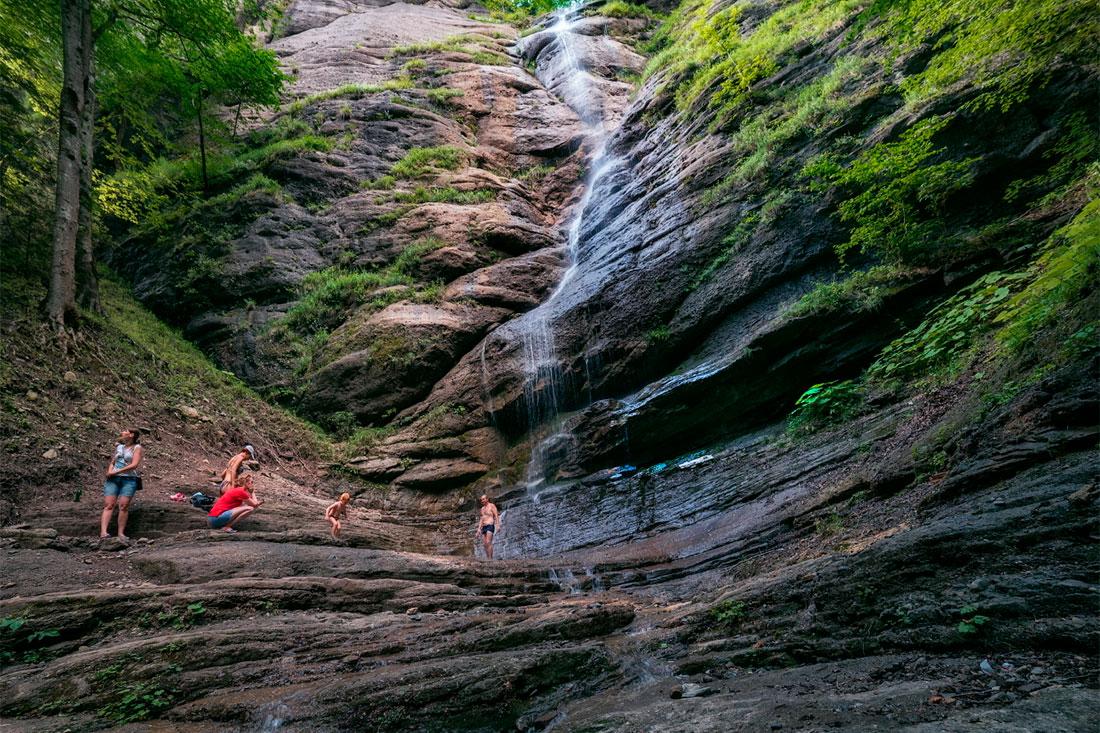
<point x="336" y="511"/>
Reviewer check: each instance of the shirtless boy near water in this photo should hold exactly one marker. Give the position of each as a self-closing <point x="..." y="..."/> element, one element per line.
<point x="336" y="511"/>
<point x="488" y="524"/>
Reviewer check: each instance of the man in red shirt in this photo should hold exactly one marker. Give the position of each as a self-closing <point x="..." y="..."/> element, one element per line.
<point x="234" y="505"/>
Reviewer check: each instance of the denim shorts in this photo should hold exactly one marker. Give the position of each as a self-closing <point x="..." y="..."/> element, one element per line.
<point x="221" y="520"/>
<point x="124" y="486"/>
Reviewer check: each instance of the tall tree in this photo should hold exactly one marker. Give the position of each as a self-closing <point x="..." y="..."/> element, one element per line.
<point x="87" y="281"/>
<point x="76" y="38"/>
<point x="190" y="44"/>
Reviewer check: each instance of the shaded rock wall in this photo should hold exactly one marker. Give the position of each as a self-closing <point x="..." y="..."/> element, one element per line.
<point x="672" y="329"/>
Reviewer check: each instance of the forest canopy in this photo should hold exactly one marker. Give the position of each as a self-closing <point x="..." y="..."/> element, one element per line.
<point x="91" y="91"/>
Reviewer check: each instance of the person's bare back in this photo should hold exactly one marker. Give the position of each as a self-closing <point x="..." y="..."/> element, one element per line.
<point x="335" y="512"/>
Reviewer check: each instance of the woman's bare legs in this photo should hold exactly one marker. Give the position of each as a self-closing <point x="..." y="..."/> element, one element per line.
<point x="123" y="515"/>
<point x="240" y="513"/>
<point x="105" y="517"/>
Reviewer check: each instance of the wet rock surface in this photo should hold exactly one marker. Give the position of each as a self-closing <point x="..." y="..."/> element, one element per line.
<point x="775" y="585"/>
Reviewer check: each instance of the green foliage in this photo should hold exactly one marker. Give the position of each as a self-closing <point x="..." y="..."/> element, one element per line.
<point x="811" y="109"/>
<point x="999" y="47"/>
<point x="341" y="424"/>
<point x="972" y="622"/>
<point x="729" y="613"/>
<point x="945" y="338"/>
<point x="162" y="351"/>
<point x="421" y="195"/>
<point x="443" y="95"/>
<point x="707" y="58"/>
<point x="827" y="403"/>
<point x="129" y="702"/>
<point x="409" y="259"/>
<point x="418" y="162"/>
<point x="18" y="644"/>
<point x="30" y="85"/>
<point x="536" y="172"/>
<point x="179" y="617"/>
<point x="11" y="625"/>
<point x="360" y="441"/>
<point x="350" y="91"/>
<point x="860" y="291"/>
<point x="623" y="9"/>
<point x="1066" y="270"/>
<point x="159" y="195"/>
<point x="658" y="335"/>
<point x="490" y="58"/>
<point x="329" y="295"/>
<point x="1074" y="158"/>
<point x="519" y="12"/>
<point x="731" y="244"/>
<point x="480" y="48"/>
<point x="263" y="156"/>
<point x="382" y="183"/>
<point x="899" y="197"/>
<point x="829" y="524"/>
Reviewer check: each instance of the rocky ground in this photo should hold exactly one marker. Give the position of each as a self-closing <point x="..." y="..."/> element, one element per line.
<point x="823" y="594"/>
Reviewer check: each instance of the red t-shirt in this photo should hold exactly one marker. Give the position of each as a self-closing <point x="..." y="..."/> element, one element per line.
<point x="229" y="500"/>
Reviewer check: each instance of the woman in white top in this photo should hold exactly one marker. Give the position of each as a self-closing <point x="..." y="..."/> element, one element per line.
<point x="122" y="481"/>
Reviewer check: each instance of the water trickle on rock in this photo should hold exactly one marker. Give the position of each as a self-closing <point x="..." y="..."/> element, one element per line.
<point x="547" y="387"/>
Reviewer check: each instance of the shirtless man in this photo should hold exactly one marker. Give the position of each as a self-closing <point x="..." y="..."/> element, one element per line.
<point x="488" y="524"/>
<point x="233" y="468"/>
<point x="336" y="511"/>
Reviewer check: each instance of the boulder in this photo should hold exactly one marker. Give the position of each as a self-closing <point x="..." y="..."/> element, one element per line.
<point x="441" y="474"/>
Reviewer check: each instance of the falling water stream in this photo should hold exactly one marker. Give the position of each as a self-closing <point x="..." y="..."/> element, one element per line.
<point x="546" y="386"/>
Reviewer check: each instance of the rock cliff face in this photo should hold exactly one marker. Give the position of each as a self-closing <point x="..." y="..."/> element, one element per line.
<point x="675" y="327"/>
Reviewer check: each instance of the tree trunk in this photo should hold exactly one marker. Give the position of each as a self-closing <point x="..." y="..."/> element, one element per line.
<point x="237" y="118"/>
<point x="87" y="281"/>
<point x="202" y="146"/>
<point x="76" y="36"/>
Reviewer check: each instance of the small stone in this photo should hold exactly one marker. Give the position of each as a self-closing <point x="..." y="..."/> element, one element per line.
<point x="70" y="376"/>
<point x="1037" y="670"/>
<point x="88" y="407"/>
<point x="690" y="689"/>
<point x="31" y="395"/>
<point x="986" y="667"/>
<point x="412" y="611"/>
<point x="51" y="454"/>
<point x="541" y="722"/>
<point x="188" y="411"/>
<point x="1082" y="496"/>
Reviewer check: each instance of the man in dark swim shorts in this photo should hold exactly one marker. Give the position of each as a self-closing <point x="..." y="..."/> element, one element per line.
<point x="488" y="524"/>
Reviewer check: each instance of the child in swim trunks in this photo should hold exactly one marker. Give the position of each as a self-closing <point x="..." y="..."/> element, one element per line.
<point x="336" y="511"/>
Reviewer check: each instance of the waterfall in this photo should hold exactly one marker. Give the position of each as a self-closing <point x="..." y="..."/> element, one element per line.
<point x="546" y="387"/>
